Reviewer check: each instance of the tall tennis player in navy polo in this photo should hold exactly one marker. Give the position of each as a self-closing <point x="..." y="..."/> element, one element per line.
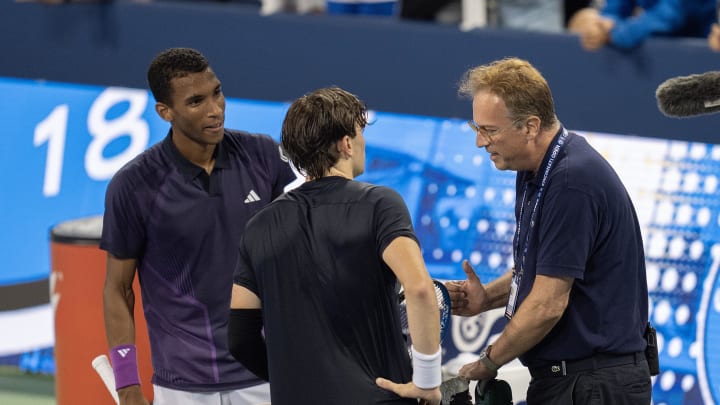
<point x="174" y="215"/>
<point x="577" y="298"/>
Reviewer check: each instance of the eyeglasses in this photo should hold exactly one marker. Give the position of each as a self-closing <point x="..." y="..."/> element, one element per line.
<point x="487" y="133"/>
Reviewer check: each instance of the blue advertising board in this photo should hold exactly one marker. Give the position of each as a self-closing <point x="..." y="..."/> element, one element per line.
<point x="63" y="142"/>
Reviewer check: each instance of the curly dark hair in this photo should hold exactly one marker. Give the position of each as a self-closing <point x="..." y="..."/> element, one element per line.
<point x="315" y="122"/>
<point x="172" y="63"/>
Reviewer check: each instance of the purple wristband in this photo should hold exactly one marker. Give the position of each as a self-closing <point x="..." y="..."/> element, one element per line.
<point x="124" y="364"/>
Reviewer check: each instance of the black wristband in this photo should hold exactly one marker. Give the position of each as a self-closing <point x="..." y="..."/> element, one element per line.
<point x="245" y="341"/>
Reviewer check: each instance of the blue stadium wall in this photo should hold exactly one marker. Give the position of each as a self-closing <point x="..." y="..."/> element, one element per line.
<point x="394" y="66"/>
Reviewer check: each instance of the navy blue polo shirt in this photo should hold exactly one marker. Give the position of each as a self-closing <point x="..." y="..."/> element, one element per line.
<point x="586" y="228"/>
<point x="183" y="226"/>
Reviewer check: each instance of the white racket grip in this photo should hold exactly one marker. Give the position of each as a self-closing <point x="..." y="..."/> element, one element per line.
<point x="102" y="366"/>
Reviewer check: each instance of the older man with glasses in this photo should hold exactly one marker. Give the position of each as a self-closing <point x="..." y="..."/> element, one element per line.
<point x="576" y="298"/>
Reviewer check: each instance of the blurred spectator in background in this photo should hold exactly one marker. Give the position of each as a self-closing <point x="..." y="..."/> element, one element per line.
<point x="625" y="24"/>
<point x="533" y="15"/>
<point x="440" y="11"/>
<point x="371" y="7"/>
<point x="714" y="38"/>
<point x="570" y="7"/>
<point x="296" y="6"/>
<point x="530" y="15"/>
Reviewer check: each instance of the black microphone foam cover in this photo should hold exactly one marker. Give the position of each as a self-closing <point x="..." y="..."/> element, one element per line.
<point x="687" y="96"/>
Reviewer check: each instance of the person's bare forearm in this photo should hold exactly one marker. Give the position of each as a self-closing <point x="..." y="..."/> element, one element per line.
<point x="526" y="329"/>
<point x="404" y="258"/>
<point x="118" y="306"/>
<point x="497" y="292"/>
<point x="423" y="317"/>
<point x="534" y="319"/>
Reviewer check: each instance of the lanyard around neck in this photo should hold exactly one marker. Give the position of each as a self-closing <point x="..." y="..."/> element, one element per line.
<point x="557" y="145"/>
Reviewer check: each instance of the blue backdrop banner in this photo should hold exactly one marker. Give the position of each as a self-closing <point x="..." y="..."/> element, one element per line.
<point x="63" y="143"/>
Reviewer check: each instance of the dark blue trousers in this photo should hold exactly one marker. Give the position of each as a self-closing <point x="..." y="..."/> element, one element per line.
<point x="621" y="385"/>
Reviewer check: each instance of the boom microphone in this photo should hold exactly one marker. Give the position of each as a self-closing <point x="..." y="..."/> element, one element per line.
<point x="687" y="96"/>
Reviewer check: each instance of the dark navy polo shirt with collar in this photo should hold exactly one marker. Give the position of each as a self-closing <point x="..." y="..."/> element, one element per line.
<point x="195" y="173"/>
<point x="183" y="226"/>
<point x="586" y="228"/>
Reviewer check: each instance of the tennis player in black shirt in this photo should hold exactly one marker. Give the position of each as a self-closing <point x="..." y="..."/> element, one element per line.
<point x="319" y="268"/>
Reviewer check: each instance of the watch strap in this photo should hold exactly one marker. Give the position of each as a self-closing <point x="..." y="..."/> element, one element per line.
<point x="485" y="359"/>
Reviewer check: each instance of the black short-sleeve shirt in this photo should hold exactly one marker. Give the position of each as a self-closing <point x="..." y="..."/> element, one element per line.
<point x="314" y="257"/>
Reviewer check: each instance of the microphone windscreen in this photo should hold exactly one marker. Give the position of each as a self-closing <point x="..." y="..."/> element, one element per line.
<point x="687" y="96"/>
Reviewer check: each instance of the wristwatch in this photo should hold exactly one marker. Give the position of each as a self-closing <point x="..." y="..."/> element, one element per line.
<point x="485" y="359"/>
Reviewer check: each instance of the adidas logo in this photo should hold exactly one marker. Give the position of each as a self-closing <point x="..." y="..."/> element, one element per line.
<point x="252" y="197"/>
<point x="123" y="352"/>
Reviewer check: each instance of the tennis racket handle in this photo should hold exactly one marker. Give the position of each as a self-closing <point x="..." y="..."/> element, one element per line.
<point x="102" y="366"/>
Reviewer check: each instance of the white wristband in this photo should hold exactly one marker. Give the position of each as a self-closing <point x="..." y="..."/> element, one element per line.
<point x="426" y="369"/>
